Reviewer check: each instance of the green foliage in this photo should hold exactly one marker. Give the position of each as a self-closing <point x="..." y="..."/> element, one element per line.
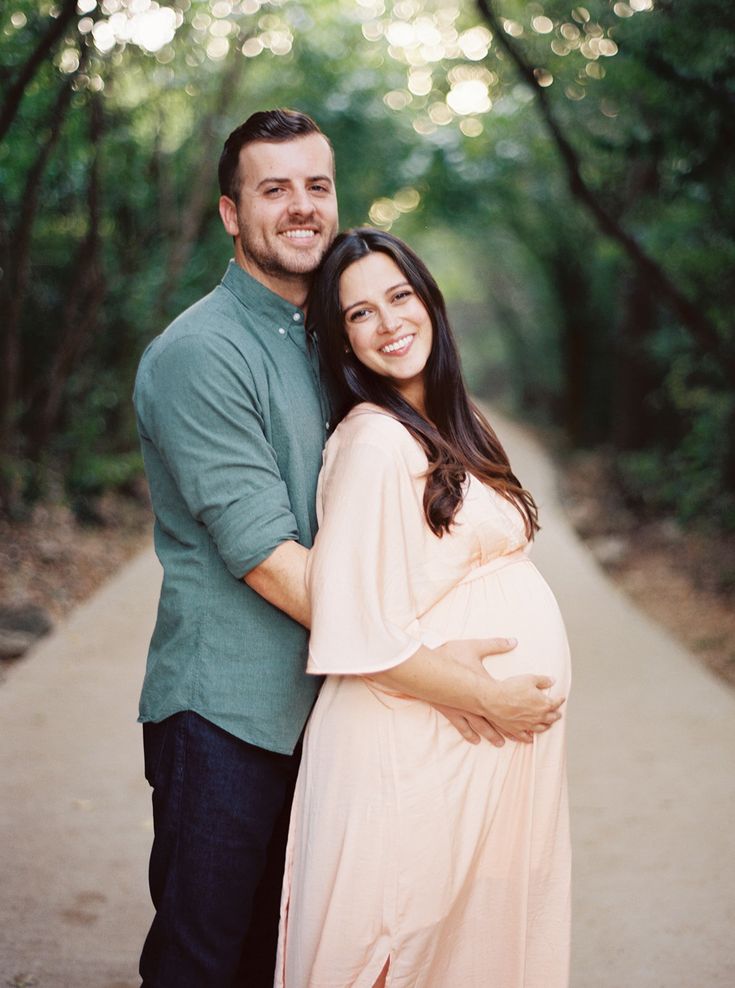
<point x="554" y="316"/>
<point x="91" y="474"/>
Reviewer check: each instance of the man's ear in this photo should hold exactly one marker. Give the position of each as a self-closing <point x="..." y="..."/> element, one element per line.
<point x="228" y="213"/>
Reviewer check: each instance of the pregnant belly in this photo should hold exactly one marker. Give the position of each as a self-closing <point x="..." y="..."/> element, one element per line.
<point x="507" y="601"/>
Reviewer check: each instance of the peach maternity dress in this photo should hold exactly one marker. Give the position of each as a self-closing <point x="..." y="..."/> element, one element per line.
<point x="408" y="844"/>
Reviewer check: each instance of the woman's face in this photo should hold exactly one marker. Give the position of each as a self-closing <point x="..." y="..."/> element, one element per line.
<point x="386" y="323"/>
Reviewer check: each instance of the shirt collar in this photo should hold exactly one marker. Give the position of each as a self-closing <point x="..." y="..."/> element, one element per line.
<point x="281" y="319"/>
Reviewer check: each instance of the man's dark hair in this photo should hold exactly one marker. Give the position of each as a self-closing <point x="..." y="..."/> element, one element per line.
<point x="276" y="126"/>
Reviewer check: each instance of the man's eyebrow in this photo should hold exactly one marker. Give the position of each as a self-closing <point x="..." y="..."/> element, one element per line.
<point x="289" y="181"/>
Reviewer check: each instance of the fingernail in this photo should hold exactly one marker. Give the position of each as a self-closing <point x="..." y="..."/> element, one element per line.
<point x="512" y="641"/>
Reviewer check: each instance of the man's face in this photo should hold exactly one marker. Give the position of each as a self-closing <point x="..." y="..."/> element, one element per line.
<point x="286" y="215"/>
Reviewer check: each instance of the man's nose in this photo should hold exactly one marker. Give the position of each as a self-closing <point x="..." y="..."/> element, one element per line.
<point x="301" y="203"/>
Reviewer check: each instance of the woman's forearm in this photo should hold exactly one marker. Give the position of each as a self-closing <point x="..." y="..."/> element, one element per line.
<point x="429" y="674"/>
<point x="515" y="705"/>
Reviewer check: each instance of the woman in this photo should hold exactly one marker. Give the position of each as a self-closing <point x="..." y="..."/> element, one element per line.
<point x="414" y="858"/>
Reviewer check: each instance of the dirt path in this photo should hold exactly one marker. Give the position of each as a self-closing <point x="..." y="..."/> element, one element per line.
<point x="652" y="778"/>
<point x="652" y="737"/>
<point x="75" y="823"/>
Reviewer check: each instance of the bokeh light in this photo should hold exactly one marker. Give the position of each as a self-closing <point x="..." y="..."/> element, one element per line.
<point x="542" y="25"/>
<point x="469" y="96"/>
<point x="144" y="23"/>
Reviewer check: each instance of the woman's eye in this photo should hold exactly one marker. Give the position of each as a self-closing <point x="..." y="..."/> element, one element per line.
<point x="357" y="314"/>
<point x="404" y="293"/>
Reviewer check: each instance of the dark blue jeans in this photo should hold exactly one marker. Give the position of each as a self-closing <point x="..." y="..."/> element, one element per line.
<point x="220" y="816"/>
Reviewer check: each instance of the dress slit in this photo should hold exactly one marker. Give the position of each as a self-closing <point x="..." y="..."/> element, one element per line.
<point x="382" y="981"/>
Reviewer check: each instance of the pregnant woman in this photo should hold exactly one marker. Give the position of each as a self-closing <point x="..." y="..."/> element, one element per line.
<point x="416" y="859"/>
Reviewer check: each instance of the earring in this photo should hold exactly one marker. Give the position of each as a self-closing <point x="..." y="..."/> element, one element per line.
<point x="347" y="348"/>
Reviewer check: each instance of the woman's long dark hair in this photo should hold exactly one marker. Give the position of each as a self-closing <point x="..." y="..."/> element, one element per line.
<point x="455" y="436"/>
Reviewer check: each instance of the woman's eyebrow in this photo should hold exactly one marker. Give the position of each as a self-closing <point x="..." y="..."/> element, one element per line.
<point x="352" y="306"/>
<point x="401" y="284"/>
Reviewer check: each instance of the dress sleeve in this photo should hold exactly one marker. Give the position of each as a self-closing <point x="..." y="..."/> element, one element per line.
<point x="365" y="566"/>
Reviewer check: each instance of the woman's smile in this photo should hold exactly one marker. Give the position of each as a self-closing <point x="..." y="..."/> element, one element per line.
<point x="399" y="347"/>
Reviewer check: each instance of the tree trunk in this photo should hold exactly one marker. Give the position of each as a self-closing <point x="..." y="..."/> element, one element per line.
<point x="84" y="298"/>
<point x="571" y="291"/>
<point x="635" y="376"/>
<point x="16" y="280"/>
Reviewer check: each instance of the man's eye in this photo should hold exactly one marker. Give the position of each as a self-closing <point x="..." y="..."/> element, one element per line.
<point x="323" y="189"/>
<point x="274" y="190"/>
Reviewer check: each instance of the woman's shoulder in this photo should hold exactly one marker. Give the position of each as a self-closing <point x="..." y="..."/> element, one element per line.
<point x="370" y="425"/>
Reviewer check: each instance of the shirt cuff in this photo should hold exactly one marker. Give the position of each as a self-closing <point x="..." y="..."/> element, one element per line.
<point x="250" y="528"/>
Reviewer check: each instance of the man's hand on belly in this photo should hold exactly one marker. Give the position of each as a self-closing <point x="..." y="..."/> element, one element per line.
<point x="472" y="727"/>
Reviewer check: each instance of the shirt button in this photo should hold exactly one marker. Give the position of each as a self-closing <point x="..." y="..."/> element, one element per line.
<point x="281" y="330"/>
<point x="297" y="317"/>
<point x="326" y="424"/>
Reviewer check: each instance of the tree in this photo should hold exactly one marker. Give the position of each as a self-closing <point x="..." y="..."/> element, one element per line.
<point x="565" y="169"/>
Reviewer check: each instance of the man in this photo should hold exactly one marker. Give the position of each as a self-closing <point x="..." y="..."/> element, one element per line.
<point x="232" y="421"/>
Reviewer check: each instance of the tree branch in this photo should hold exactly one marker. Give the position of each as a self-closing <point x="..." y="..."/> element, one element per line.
<point x="205" y="169"/>
<point x="14" y="94"/>
<point x="700" y="328"/>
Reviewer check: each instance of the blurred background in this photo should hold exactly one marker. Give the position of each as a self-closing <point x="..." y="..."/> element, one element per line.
<point x="566" y="171"/>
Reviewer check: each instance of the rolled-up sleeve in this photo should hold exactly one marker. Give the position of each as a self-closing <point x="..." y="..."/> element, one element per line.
<point x="200" y="409"/>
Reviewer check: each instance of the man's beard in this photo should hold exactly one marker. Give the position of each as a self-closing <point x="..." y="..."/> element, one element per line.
<point x="290" y="265"/>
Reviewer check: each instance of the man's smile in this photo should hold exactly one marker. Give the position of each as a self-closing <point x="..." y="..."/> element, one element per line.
<point x="300" y="233"/>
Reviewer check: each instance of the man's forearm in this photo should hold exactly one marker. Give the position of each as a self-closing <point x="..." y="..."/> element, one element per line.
<point x="281" y="580"/>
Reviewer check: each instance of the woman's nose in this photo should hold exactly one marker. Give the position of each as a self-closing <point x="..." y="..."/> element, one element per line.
<point x="389" y="321"/>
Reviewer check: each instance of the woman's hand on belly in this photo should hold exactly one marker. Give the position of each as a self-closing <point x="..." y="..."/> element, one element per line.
<point x="453" y="675"/>
<point x="471" y="726"/>
<point x="519" y="709"/>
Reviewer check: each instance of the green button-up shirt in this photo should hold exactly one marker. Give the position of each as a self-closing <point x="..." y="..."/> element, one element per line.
<point x="232" y="421"/>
